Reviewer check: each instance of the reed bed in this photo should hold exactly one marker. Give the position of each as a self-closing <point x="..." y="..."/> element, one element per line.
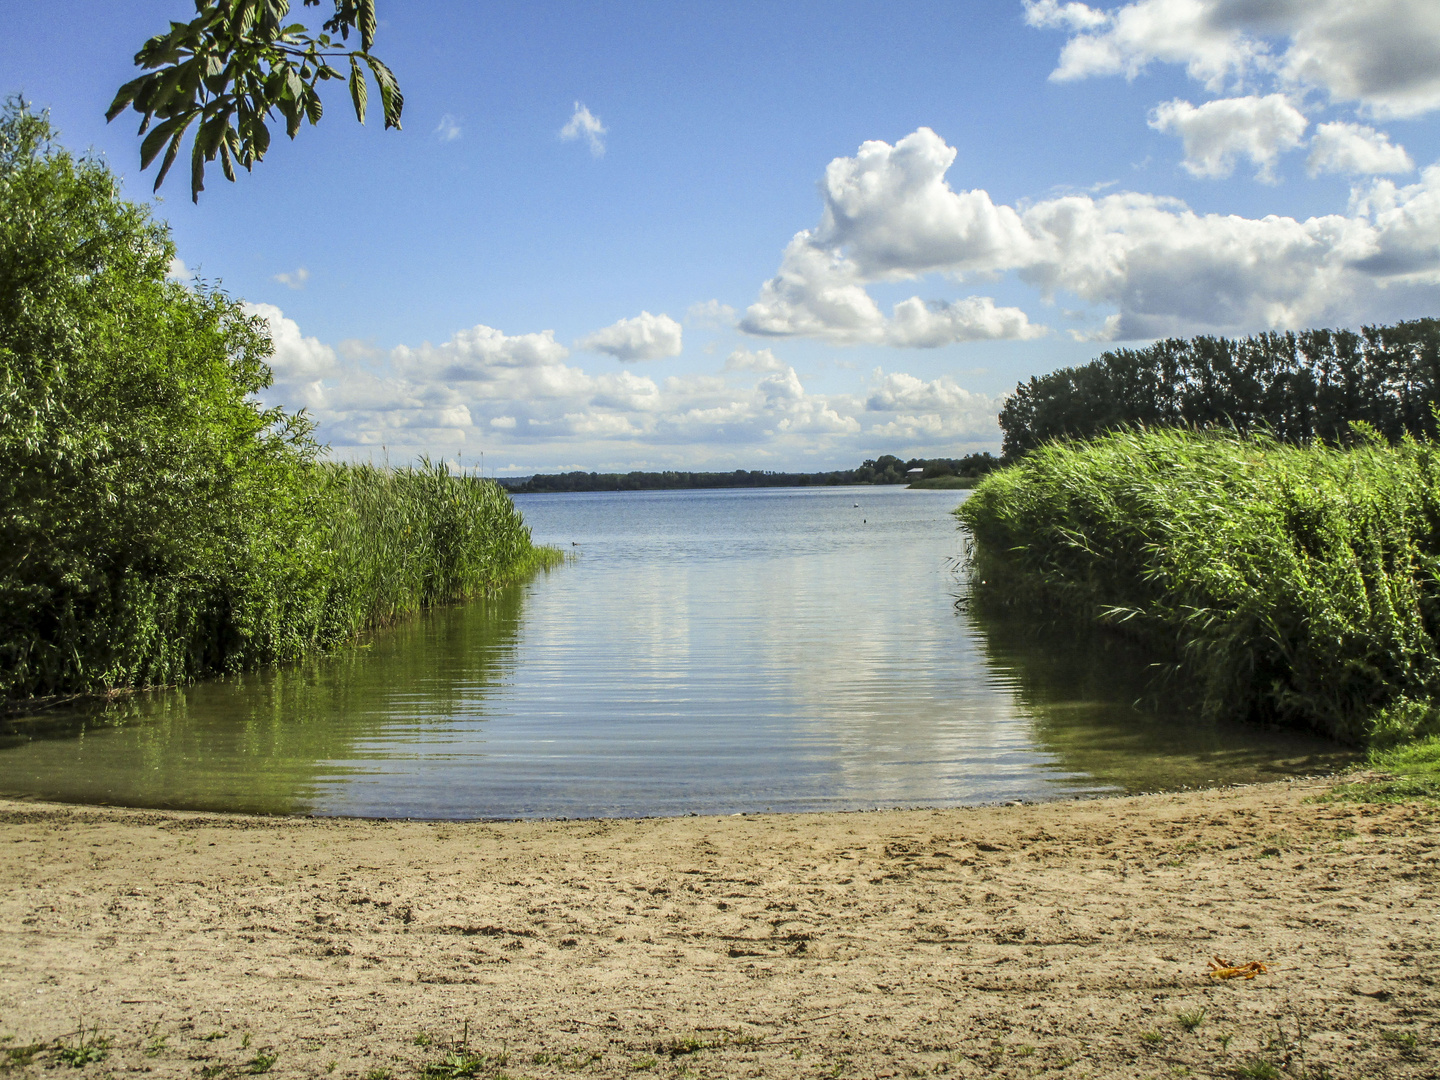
<point x="1288" y="584"/>
<point x="408" y="539"/>
<point x="335" y="551"/>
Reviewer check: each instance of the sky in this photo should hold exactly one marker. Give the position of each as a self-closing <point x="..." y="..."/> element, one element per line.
<point x="786" y="236"/>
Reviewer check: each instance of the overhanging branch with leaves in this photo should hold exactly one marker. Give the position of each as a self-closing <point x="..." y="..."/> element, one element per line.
<point x="228" y="71"/>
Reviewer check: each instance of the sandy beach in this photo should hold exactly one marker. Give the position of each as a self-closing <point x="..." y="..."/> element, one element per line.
<point x="1061" y="939"/>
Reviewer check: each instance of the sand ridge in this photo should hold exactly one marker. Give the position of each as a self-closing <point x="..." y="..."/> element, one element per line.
<point x="1060" y="939"/>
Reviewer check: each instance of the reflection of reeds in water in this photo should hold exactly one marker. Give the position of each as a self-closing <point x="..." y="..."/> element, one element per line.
<point x="1106" y="711"/>
<point x="278" y="740"/>
<point x="1296" y="585"/>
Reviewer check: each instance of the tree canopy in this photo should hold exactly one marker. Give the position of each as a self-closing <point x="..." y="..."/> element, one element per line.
<point x="227" y="72"/>
<point x="1297" y="386"/>
<point x="149" y="505"/>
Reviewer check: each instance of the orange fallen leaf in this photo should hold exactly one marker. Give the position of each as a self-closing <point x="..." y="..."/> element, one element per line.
<point x="1225" y="969"/>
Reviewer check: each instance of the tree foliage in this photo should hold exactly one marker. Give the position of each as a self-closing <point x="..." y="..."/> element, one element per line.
<point x="148" y="504"/>
<point x="1298" y="387"/>
<point x="157" y="522"/>
<point x="227" y="71"/>
<point x="889" y="469"/>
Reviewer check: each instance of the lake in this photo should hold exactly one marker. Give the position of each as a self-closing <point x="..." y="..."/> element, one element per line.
<point x="702" y="652"/>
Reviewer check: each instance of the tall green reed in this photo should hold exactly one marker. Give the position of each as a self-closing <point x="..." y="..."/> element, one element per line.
<point x="1289" y="584"/>
<point x="407" y="539"/>
<point x="360" y="548"/>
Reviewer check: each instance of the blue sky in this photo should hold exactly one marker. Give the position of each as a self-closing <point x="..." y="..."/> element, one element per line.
<point x="981" y="191"/>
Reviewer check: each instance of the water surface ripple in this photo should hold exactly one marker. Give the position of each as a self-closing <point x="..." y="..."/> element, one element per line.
<point x="705" y="651"/>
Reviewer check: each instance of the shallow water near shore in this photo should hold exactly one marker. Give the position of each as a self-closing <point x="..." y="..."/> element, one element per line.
<point x="703" y="652"/>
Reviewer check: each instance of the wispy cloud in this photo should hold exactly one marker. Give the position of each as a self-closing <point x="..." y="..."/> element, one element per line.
<point x="762" y="360"/>
<point x="448" y="129"/>
<point x="711" y="315"/>
<point x="585" y="123"/>
<point x="293" y="279"/>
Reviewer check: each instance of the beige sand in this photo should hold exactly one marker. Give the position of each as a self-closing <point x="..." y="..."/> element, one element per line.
<point x="1060" y="940"/>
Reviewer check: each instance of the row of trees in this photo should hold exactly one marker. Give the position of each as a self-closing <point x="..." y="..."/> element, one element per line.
<point x="1299" y="387"/>
<point x="886" y="469"/>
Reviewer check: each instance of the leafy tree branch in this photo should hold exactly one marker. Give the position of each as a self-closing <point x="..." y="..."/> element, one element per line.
<point x="235" y="65"/>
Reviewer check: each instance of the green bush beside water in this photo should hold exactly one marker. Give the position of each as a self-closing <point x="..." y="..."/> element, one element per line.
<point x="157" y="522"/>
<point x="1288" y="584"/>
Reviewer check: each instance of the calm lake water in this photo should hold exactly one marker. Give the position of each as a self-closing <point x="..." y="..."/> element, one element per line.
<point x="707" y="651"/>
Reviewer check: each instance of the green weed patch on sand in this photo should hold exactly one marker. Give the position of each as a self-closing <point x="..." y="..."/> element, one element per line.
<point x="1402" y="774"/>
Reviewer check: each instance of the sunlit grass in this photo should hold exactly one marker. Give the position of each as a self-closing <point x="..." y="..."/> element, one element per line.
<point x="1405" y="774"/>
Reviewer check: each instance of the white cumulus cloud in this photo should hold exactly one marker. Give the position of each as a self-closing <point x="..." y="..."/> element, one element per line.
<point x="1164" y="268"/>
<point x="919" y="411"/>
<point x="1217" y="132"/>
<point x="1355" y="149"/>
<point x="585" y="124"/>
<point x="920" y="324"/>
<point x="645" y="337"/>
<point x="1124" y="41"/>
<point x="486" y="390"/>
<point x="1383" y="55"/>
<point x="890" y="215"/>
<point x="296" y="357"/>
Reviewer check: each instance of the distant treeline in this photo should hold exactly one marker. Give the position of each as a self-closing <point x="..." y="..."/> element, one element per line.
<point x="1298" y="387"/>
<point x="886" y="469"/>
